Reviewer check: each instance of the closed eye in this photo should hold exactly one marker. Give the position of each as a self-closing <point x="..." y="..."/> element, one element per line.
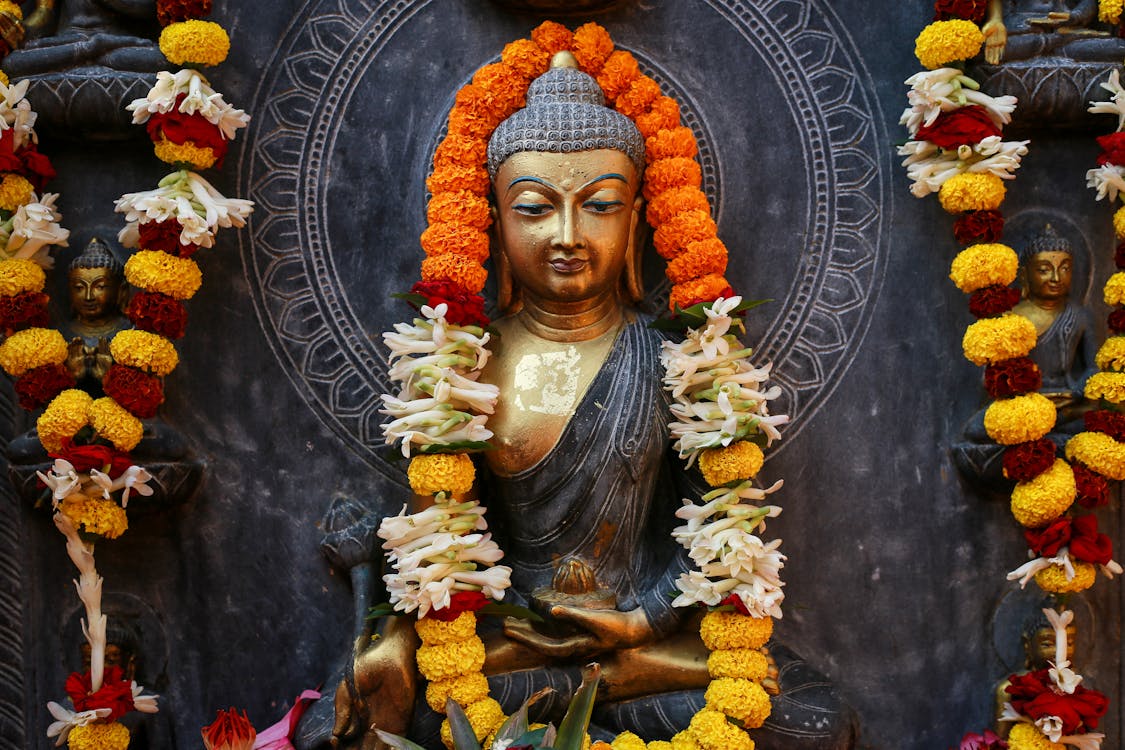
<point x="602" y="207"/>
<point x="532" y="209"/>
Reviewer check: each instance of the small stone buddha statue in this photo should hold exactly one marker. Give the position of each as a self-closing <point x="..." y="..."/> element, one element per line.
<point x="97" y="290"/>
<point x="1025" y="29"/>
<point x="583" y="482"/>
<point x="1039" y="645"/>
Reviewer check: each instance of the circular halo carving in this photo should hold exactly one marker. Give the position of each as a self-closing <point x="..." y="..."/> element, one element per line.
<point x="333" y="358"/>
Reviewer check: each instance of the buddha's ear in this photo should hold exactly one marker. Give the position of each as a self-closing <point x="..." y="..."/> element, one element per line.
<point x="634" y="283"/>
<point x="507" y="297"/>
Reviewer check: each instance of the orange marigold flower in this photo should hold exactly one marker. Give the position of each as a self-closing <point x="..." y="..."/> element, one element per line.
<point x="592" y="47"/>
<point x="552" y="37"/>
<point x="526" y="58"/>
<point x="640" y="95"/>
<point x="670" y="202"/>
<point x="463" y="150"/>
<point x="670" y="143"/>
<point x="618" y="74"/>
<point x="664" y="114"/>
<point x="440" y="239"/>
<point x="451" y="177"/>
<point x="665" y="174"/>
<point x="462" y="271"/>
<point x="475" y="112"/>
<point x="507" y="87"/>
<point x="460" y="207"/>
<point x="685" y="227"/>
<point x="700" y="258"/>
<point x="705" y="289"/>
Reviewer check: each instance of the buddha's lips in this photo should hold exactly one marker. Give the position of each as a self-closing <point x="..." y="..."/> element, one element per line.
<point x="568" y="265"/>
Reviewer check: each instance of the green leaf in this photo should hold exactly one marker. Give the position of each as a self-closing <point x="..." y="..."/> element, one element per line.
<point x="515" y="727"/>
<point x="464" y="738"/>
<point x="572" y="730"/>
<point x="399" y="743"/>
<point x="461" y="446"/>
<point x="414" y="300"/>
<point x="383" y="609"/>
<point x="510" y="610"/>
<point x="696" y="315"/>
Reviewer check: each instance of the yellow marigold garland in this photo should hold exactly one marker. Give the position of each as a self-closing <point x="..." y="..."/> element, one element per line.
<point x="451" y="659"/>
<point x="727" y="630"/>
<point x="96" y="515"/>
<point x="944" y="42"/>
<point x="628" y="741"/>
<point x="67" y="413"/>
<point x="185" y="155"/>
<point x="743" y="700"/>
<point x="1100" y="452"/>
<point x="440" y="632"/>
<point x="971" y="192"/>
<point x="114" y="423"/>
<point x="1028" y="737"/>
<point x="30" y="348"/>
<point x="1111" y="355"/>
<point x="984" y="265"/>
<point x="1109" y="11"/>
<point x="1109" y="386"/>
<point x="194" y="42"/>
<point x="738" y="461"/>
<point x="157" y="271"/>
<point x="1114" y="290"/>
<point x="1054" y="579"/>
<point x="711" y="730"/>
<point x="1046" y="497"/>
<point x="748" y="663"/>
<point x="15" y="191"/>
<point x="995" y="339"/>
<point x="464" y="690"/>
<point x="19" y="275"/>
<point x="12" y="9"/>
<point x="1119" y="223"/>
<point x="113" y="736"/>
<point x="145" y="351"/>
<point x="1020" y="419"/>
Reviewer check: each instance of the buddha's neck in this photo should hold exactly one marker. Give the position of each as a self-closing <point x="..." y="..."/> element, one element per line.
<point x="571" y="321"/>
<point x="1050" y="305"/>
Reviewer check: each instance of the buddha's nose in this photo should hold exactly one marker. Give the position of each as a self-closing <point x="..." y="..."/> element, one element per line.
<point x="566" y="233"/>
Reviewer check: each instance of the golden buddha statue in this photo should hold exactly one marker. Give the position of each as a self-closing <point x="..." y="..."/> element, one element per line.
<point x="1039" y="645"/>
<point x="582" y="484"/>
<point x="1024" y="29"/>
<point x="97" y="290"/>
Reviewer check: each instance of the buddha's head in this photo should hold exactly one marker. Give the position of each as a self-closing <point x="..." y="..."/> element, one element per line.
<point x="120" y="650"/>
<point x="1039" y="641"/>
<point x="96" y="285"/>
<point x="566" y="174"/>
<point x="1047" y="266"/>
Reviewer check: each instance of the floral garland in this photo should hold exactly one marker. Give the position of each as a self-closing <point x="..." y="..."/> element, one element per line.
<point x="93" y="475"/>
<point x="441" y="411"/>
<point x="956" y="150"/>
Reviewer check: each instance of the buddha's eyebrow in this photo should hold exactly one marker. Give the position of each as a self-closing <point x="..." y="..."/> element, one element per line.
<point x="607" y="176"/>
<point x="528" y="178"/>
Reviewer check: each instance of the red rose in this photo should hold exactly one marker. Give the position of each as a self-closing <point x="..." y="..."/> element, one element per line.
<point x="96" y="456"/>
<point x="1012" y="377"/>
<point x="38" y="387"/>
<point x="134" y="389"/>
<point x="1117" y="321"/>
<point x="1114" y="147"/>
<point x="36" y="167"/>
<point x="464" y="309"/>
<point x="116" y="693"/>
<point x="1093" y="488"/>
<point x="969" y="10"/>
<point x="165" y="236"/>
<point x="979" y="226"/>
<point x="158" y="313"/>
<point x="1047" y="542"/>
<point x="964" y="126"/>
<point x="1024" y="687"/>
<point x="1103" y="420"/>
<point x="174" y="11"/>
<point x="1087" y="544"/>
<point x="735" y="601"/>
<point x="27" y="310"/>
<point x="993" y="300"/>
<point x="1079" y="711"/>
<point x="179" y="127"/>
<point x="1025" y="461"/>
<point x="462" y="601"/>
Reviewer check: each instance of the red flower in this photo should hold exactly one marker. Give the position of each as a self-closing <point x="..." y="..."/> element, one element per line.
<point x="38" y="387"/>
<point x="165" y="236"/>
<point x="97" y="456"/>
<point x="1047" y="542"/>
<point x="1093" y="488"/>
<point x="1119" y="256"/>
<point x="987" y="741"/>
<point x="174" y="11"/>
<point x="1086" y="543"/>
<point x="27" y="161"/>
<point x="178" y="127"/>
<point x="993" y="300"/>
<point x="462" y="601"/>
<point x="1117" y="321"/>
<point x="134" y="389"/>
<point x="25" y="310"/>
<point x="229" y="731"/>
<point x="736" y="601"/>
<point x="1025" y="461"/>
<point x="979" y="226"/>
<point x="158" y="313"/>
<point x="1012" y="377"/>
<point x="969" y="10"/>
<point x="959" y="127"/>
<point x="1114" y="146"/>
<point x="1079" y="711"/>
<point x="464" y="309"/>
<point x="116" y="693"/>
<point x="1110" y="422"/>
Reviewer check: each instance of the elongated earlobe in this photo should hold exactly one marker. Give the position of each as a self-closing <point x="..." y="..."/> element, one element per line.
<point x="634" y="282"/>
<point x="507" y="296"/>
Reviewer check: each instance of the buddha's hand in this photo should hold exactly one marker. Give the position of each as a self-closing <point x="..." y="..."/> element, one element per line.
<point x="76" y="358"/>
<point x="103" y="360"/>
<point x="601" y="630"/>
<point x="995" y="40"/>
<point x="381" y="693"/>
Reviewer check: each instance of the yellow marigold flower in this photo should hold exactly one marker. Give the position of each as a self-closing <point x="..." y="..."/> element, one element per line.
<point x="684" y="741"/>
<point x="113" y="736"/>
<point x="67" y="413"/>
<point x="943" y="42"/>
<point x="1099" y="452"/>
<point x="1045" y="498"/>
<point x="601" y="745"/>
<point x="1106" y="385"/>
<point x="438" y="633"/>
<point x="1111" y="355"/>
<point x="743" y="700"/>
<point x="114" y="423"/>
<point x="465" y="690"/>
<point x="157" y="271"/>
<point x="30" y="348"/>
<point x="1028" y="737"/>
<point x="993" y="340"/>
<point x="984" y="265"/>
<point x="14" y="10"/>
<point x="660" y="745"/>
<point x="972" y="192"/>
<point x="1053" y="580"/>
<point x="4" y="78"/>
<point x="193" y="43"/>
<point x="15" y="191"/>
<point x="1119" y="223"/>
<point x="184" y="155"/>
<point x="725" y="630"/>
<point x="452" y="473"/>
<point x="627" y="741"/>
<point x="484" y="716"/>
<point x="1114" y="293"/>
<point x="738" y="461"/>
<point x="95" y="515"/>
<point x="712" y="731"/>
<point x="1109" y="11"/>
<point x="145" y="351"/>
<point x="747" y="663"/>
<point x="1019" y="419"/>
<point x="18" y="275"/>
<point x="451" y="659"/>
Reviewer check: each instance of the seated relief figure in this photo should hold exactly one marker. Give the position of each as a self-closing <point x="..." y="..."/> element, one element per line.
<point x="582" y="484"/>
<point x="97" y="290"/>
<point x="1024" y="29"/>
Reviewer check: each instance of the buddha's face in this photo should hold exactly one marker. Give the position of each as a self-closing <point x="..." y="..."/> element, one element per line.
<point x="1048" y="275"/>
<point x="566" y="222"/>
<point x="1043" y="647"/>
<point x="94" y="293"/>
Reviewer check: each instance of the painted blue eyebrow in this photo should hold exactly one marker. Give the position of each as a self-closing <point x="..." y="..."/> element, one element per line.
<point x="607" y="176"/>
<point x="541" y="181"/>
<point x="531" y="179"/>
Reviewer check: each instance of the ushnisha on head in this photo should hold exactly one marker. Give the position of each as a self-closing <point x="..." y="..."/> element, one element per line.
<point x="1048" y="262"/>
<point x="566" y="174"/>
<point x="96" y="283"/>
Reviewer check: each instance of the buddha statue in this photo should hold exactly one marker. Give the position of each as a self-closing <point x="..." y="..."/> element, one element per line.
<point x="1038" y="639"/>
<point x="1026" y="29"/>
<point x="582" y="484"/>
<point x="97" y="290"/>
